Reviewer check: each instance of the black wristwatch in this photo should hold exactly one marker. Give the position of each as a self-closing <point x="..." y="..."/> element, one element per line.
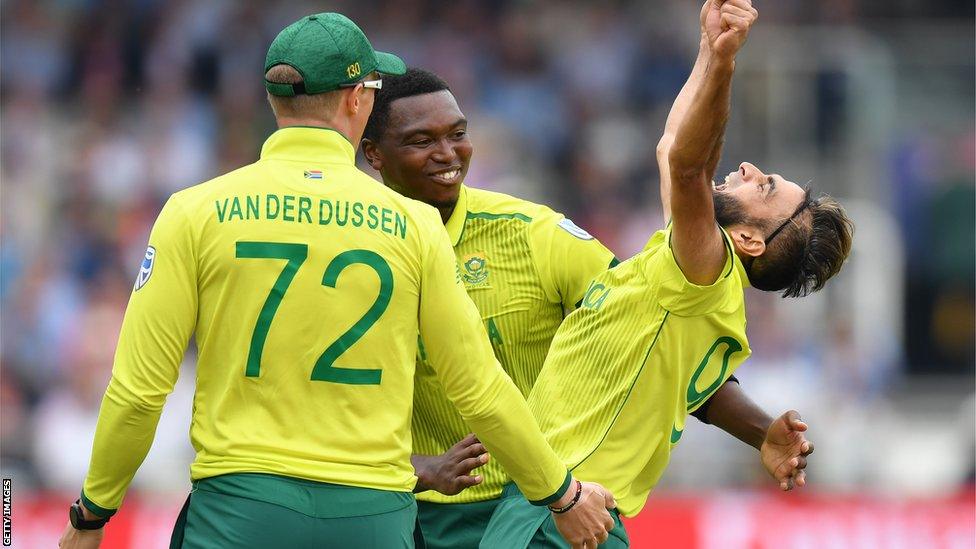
<point x="77" y="518"/>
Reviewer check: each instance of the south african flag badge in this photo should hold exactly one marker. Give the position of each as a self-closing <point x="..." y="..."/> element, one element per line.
<point x="313" y="174"/>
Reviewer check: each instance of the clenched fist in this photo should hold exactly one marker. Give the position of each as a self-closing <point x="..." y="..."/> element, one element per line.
<point x="725" y="25"/>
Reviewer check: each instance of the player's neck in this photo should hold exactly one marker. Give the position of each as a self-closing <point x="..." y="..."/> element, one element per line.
<point x="343" y="127"/>
<point x="446" y="212"/>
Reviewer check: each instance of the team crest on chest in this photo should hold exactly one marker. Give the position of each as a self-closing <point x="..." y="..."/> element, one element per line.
<point x="474" y="269"/>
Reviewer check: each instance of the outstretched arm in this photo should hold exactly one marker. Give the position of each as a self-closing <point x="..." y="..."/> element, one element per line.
<point x="783" y="447"/>
<point x="677" y="116"/>
<point x="696" y="239"/>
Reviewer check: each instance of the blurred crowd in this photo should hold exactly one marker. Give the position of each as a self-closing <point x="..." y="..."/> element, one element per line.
<point x="108" y="107"/>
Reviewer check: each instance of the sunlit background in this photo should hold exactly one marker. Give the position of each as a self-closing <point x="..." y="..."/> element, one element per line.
<point x="108" y="107"/>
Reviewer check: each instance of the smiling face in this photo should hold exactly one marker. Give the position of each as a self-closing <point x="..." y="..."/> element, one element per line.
<point x="424" y="152"/>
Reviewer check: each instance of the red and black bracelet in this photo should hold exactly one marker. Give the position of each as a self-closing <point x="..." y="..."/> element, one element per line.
<point x="571" y="504"/>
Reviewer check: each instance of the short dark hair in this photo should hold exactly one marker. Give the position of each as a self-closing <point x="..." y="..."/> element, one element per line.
<point x="413" y="82"/>
<point x="804" y="257"/>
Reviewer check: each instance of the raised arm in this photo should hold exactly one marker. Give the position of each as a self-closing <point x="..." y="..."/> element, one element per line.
<point x="677" y="115"/>
<point x="696" y="238"/>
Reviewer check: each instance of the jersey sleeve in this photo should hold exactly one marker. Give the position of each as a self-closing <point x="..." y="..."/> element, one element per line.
<point x="458" y="350"/>
<point x="681" y="297"/>
<point x="157" y="326"/>
<point x="567" y="258"/>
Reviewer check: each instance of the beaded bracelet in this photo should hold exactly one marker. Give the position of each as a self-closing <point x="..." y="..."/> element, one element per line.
<point x="570" y="505"/>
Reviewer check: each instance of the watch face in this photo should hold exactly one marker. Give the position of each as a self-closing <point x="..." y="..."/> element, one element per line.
<point x="73" y="515"/>
<point x="78" y="522"/>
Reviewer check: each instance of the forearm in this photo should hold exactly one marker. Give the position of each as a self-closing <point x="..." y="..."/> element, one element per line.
<point x="700" y="130"/>
<point x="731" y="410"/>
<point x="124" y="434"/>
<point x="504" y="424"/>
<point x="683" y="102"/>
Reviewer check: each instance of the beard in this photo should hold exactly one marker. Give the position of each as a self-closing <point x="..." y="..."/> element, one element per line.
<point x="728" y="209"/>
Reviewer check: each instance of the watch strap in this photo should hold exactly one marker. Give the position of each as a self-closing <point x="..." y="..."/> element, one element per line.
<point x="77" y="517"/>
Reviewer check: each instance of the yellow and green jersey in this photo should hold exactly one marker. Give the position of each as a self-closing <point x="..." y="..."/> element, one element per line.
<point x="644" y="350"/>
<point x="305" y="283"/>
<point x="524" y="266"/>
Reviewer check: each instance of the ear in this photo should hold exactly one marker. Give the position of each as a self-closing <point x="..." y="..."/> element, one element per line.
<point x="372" y="154"/>
<point x="748" y="240"/>
<point x="354" y="99"/>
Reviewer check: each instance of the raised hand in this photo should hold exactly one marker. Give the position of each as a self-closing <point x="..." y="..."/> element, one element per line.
<point x="450" y="472"/>
<point x="785" y="450"/>
<point x="726" y="25"/>
<point x="588" y="522"/>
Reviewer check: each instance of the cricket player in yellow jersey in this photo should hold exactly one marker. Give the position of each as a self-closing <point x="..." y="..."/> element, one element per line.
<point x="305" y="283"/>
<point x="656" y="336"/>
<point x="523" y="265"/>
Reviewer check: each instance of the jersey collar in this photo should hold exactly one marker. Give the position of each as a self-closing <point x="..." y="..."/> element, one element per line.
<point x="740" y="270"/>
<point x="309" y="144"/>
<point x="455" y="223"/>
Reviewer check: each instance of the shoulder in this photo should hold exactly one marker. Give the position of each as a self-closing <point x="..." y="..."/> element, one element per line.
<point x="536" y="217"/>
<point x="491" y="205"/>
<point x="202" y="194"/>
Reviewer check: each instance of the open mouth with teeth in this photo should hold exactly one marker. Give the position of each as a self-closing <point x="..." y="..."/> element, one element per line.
<point x="448" y="177"/>
<point x="723" y="185"/>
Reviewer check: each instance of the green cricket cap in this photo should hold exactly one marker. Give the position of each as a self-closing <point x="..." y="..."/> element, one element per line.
<point x="329" y="51"/>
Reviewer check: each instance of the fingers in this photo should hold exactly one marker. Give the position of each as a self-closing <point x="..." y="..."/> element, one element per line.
<point x="736" y="11"/>
<point x="468" y="447"/>
<point x="467" y="442"/>
<point x="609" y="524"/>
<point x="609" y="500"/>
<point x="807" y="448"/>
<point x="801" y="478"/>
<point x="467" y="465"/>
<point x="741" y="4"/>
<point x="734" y="22"/>
<point x="468" y="481"/>
<point x="786" y="469"/>
<point x="476" y="449"/>
<point x="793" y="421"/>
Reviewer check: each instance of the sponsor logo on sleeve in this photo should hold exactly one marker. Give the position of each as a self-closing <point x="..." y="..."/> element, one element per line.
<point x="146" y="269"/>
<point x="572" y="228"/>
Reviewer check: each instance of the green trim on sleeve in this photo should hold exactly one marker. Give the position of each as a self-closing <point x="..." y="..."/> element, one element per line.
<point x="97" y="509"/>
<point x="559" y="493"/>
<point x="730" y="250"/>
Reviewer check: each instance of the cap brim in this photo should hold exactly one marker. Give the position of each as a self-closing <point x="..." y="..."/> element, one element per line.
<point x="387" y="63"/>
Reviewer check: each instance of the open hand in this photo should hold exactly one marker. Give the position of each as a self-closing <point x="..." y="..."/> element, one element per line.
<point x="726" y="25"/>
<point x="785" y="450"/>
<point x="588" y="523"/>
<point x="450" y="472"/>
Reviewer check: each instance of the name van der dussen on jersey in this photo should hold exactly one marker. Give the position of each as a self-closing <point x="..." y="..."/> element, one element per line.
<point x="304" y="209"/>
